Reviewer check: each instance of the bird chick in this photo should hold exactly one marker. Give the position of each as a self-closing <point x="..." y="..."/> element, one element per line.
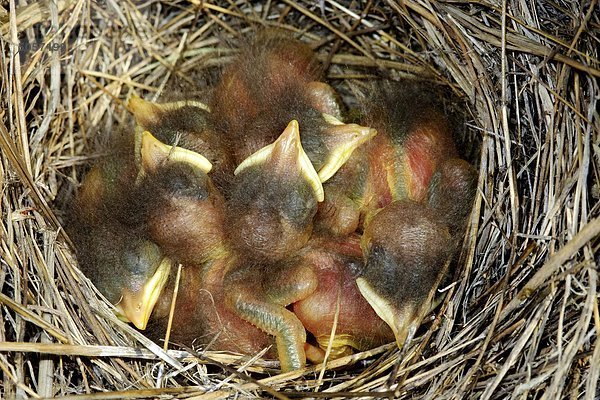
<point x="252" y="102"/>
<point x="113" y="250"/>
<point x="185" y="217"/>
<point x="412" y="205"/>
<point x="182" y="208"/>
<point x="414" y="137"/>
<point x="273" y="199"/>
<point x="407" y="251"/>
<point x="276" y="190"/>
<point x="114" y="226"/>
<point x="336" y="300"/>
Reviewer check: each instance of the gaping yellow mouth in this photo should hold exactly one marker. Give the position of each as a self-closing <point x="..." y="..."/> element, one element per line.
<point x="343" y="140"/>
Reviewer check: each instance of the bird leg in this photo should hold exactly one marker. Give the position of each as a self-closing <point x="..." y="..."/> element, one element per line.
<point x="262" y="302"/>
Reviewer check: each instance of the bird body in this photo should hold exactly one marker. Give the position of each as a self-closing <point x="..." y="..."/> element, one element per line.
<point x="409" y="238"/>
<point x="262" y="91"/>
<point x="336" y="306"/>
<point x="113" y="248"/>
<point x="185" y="216"/>
<point x="414" y="138"/>
<point x="201" y="315"/>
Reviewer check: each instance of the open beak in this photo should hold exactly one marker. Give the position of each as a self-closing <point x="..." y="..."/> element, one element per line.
<point x="342" y="139"/>
<point x="287" y="155"/>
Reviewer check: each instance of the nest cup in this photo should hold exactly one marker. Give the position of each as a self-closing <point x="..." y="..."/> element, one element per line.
<point x="519" y="318"/>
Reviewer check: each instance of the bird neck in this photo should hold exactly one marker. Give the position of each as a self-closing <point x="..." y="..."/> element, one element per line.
<point x="216" y="267"/>
<point x="218" y="251"/>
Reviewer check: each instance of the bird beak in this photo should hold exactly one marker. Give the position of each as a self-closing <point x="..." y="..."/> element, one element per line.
<point x="407" y="253"/>
<point x="402" y="320"/>
<point x="136" y="306"/>
<point x="153" y="153"/>
<point x="342" y="139"/>
<point x="284" y="156"/>
<point x="402" y="313"/>
<point x="147" y="113"/>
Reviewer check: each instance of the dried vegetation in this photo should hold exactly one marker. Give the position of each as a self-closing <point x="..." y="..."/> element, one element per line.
<point x="520" y="315"/>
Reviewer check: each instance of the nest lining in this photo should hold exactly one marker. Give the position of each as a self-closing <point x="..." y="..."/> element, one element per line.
<point x="520" y="316"/>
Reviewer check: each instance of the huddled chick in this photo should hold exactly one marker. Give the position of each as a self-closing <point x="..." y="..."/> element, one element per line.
<point x="409" y="195"/>
<point x="283" y="218"/>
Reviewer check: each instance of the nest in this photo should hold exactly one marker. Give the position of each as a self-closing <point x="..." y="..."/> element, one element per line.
<point x="519" y="317"/>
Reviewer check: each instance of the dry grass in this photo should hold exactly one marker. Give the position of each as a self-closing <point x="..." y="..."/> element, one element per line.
<point x="520" y="318"/>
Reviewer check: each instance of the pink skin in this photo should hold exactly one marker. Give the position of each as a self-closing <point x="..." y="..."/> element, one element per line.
<point x="426" y="147"/>
<point x="392" y="172"/>
<point x="201" y="316"/>
<point x="356" y="319"/>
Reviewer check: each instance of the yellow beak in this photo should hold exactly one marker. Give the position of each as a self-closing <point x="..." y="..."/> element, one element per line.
<point x="136" y="306"/>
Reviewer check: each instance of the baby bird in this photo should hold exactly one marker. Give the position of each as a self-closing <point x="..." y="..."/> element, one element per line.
<point x="408" y="246"/>
<point x="274" y="199"/>
<point x="409" y="195"/>
<point x="251" y="103"/>
<point x="414" y="139"/>
<point x="185" y="124"/>
<point x="185" y="217"/>
<point x="112" y="247"/>
<point x="272" y="82"/>
<point x="415" y="202"/>
<point x="270" y="211"/>
<point x="179" y="203"/>
<point x="407" y="251"/>
<point x="114" y="224"/>
<point x="336" y="262"/>
<point x="276" y="190"/>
